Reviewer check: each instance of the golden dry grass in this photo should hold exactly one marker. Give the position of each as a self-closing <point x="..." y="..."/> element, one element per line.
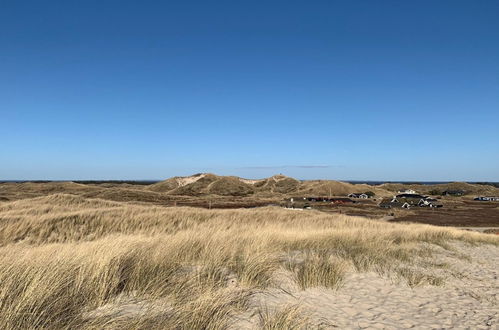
<point x="70" y="262"/>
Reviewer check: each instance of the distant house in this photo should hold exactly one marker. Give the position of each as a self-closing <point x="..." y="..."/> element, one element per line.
<point x="358" y="195"/>
<point x="407" y="191"/>
<point x="453" y="193"/>
<point x="487" y="199"/>
<point x="428" y="202"/>
<point x="390" y="203"/>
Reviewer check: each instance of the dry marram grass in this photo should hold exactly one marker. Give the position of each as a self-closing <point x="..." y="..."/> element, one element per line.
<point x="70" y="262"/>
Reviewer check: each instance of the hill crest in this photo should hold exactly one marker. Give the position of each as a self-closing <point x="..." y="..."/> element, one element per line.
<point x="211" y="184"/>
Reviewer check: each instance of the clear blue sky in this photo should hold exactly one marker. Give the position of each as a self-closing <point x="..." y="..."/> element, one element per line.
<point x="379" y="90"/>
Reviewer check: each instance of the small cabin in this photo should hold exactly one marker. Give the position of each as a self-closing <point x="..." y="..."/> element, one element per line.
<point x="358" y="195"/>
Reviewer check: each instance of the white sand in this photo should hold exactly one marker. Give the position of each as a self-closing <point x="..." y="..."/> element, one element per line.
<point x="185" y="180"/>
<point x="467" y="300"/>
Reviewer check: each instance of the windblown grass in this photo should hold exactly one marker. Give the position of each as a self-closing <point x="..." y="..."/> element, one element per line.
<point x="289" y="317"/>
<point x="70" y="262"/>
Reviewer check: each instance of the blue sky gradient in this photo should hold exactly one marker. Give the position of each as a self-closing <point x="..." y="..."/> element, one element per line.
<point x="357" y="90"/>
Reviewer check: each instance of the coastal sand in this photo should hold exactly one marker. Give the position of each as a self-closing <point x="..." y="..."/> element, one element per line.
<point x="467" y="300"/>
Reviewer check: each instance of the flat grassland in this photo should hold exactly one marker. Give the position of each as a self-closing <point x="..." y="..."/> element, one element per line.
<point x="71" y="262"/>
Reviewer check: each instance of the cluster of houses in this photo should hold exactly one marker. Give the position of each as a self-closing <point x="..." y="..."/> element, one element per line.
<point x="306" y="202"/>
<point x="407" y="199"/>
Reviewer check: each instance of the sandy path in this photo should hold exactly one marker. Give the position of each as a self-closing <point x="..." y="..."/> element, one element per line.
<point x="467" y="300"/>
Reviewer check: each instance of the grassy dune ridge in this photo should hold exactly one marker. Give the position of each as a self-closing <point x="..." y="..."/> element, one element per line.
<point x="68" y="261"/>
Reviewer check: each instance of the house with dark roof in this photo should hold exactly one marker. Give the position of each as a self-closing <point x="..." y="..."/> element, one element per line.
<point x="358" y="195"/>
<point x="390" y="203"/>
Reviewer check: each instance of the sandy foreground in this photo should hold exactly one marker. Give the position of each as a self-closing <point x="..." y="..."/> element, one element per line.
<point x="467" y="300"/>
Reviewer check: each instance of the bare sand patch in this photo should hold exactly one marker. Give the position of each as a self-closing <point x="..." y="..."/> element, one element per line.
<point x="467" y="300"/>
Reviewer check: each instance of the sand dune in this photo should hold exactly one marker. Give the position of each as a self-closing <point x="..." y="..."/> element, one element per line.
<point x="202" y="184"/>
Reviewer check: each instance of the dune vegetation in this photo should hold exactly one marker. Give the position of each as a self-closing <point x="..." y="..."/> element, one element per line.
<point x="73" y="262"/>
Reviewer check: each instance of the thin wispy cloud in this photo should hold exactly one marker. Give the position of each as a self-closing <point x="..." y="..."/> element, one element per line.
<point x="285" y="167"/>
